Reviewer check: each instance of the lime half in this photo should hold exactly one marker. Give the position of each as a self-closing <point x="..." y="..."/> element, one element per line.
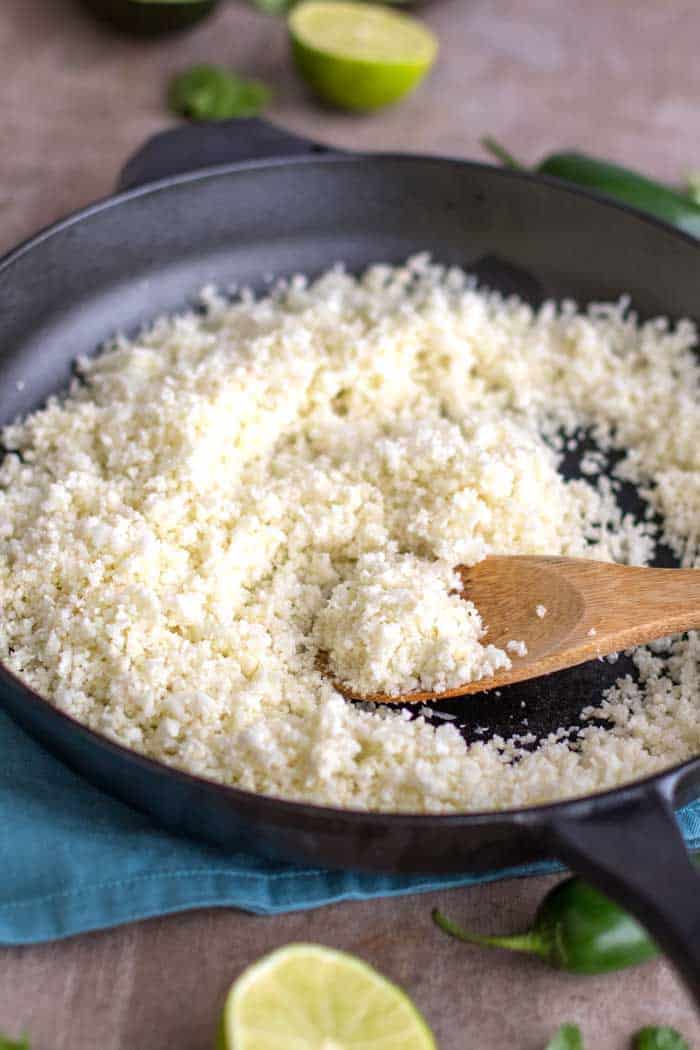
<point x="359" y="56"/>
<point x="307" y="997"/>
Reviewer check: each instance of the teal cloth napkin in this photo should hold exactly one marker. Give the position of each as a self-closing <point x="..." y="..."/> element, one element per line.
<point x="74" y="859"/>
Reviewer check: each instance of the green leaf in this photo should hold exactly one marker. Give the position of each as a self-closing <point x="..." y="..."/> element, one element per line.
<point x="215" y="93"/>
<point x="655" y="1038"/>
<point x="568" y="1037"/>
<point x="12" y="1044"/>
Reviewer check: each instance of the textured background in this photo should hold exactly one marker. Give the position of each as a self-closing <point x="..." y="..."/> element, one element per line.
<point x="618" y="77"/>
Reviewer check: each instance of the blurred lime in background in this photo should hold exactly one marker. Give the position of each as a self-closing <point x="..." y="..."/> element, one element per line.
<point x="359" y="56"/>
<point x="151" y="17"/>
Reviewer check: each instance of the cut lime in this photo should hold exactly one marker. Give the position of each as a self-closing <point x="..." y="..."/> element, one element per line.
<point x="359" y="56"/>
<point x="307" y="997"/>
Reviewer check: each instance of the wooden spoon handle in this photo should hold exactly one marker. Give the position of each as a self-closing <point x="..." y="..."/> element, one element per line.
<point x="627" y="605"/>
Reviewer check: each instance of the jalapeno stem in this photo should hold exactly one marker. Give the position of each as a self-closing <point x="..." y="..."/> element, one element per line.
<point x="501" y="153"/>
<point x="529" y="942"/>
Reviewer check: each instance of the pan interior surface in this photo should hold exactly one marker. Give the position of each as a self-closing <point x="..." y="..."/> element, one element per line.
<point x="124" y="263"/>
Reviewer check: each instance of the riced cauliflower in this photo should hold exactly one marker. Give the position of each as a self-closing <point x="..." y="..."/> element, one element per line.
<point x="244" y="505"/>
<point x="399" y="623"/>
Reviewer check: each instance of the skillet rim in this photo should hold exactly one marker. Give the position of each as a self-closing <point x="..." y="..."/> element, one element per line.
<point x="664" y="781"/>
<point x="330" y="158"/>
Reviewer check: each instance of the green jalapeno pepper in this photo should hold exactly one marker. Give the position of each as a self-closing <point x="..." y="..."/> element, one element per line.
<point x="629" y="186"/>
<point x="576" y="929"/>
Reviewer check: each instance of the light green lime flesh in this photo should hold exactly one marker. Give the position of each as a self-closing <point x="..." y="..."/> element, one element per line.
<point x="362" y="32"/>
<point x="307" y="997"/>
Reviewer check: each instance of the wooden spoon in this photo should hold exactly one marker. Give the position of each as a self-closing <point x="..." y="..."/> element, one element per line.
<point x="592" y="608"/>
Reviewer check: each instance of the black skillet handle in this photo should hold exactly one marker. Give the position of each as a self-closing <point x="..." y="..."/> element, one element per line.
<point x="633" y="851"/>
<point x="191" y="147"/>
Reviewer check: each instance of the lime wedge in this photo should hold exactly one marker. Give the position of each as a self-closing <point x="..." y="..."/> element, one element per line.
<point x="307" y="997"/>
<point x="359" y="56"/>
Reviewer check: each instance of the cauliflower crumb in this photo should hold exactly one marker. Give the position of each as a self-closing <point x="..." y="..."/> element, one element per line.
<point x="541" y="611"/>
<point x="517" y="647"/>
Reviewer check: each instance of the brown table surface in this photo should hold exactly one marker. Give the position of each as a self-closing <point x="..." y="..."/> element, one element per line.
<point x="618" y="77"/>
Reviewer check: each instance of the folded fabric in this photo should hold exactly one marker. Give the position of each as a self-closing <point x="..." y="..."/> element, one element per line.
<point x="74" y="859"/>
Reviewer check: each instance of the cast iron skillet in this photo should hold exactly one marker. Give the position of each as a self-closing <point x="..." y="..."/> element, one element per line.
<point x="147" y="250"/>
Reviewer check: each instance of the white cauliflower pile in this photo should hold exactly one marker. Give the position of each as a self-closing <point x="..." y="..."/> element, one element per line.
<point x="236" y="496"/>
